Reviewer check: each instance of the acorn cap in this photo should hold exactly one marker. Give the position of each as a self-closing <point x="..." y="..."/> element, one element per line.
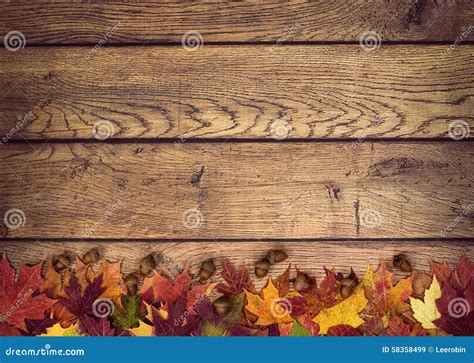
<point x="147" y="265"/>
<point x="222" y="305"/>
<point x="348" y="282"/>
<point x="61" y="262"/>
<point x="401" y="261"/>
<point x="275" y="256"/>
<point x="262" y="267"/>
<point x="91" y="256"/>
<point x="302" y="282"/>
<point x="131" y="282"/>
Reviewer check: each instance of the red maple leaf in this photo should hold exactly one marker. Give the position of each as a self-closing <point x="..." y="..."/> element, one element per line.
<point x="20" y="299"/>
<point x="397" y="327"/>
<point x="96" y="327"/>
<point x="178" y="323"/>
<point x="81" y="304"/>
<point x="317" y="298"/>
<point x="343" y="331"/>
<point x="159" y="288"/>
<point x="236" y="280"/>
<point x="456" y="304"/>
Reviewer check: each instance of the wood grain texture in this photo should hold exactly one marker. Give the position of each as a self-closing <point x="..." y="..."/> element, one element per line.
<point x="66" y="22"/>
<point x="309" y="256"/>
<point x="241" y="92"/>
<point x="240" y="190"/>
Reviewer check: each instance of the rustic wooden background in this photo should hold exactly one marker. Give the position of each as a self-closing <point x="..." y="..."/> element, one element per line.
<point x="279" y="131"/>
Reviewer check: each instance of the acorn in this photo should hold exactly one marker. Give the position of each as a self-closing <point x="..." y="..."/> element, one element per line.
<point x="421" y="282"/>
<point x="401" y="261"/>
<point x="347" y="287"/>
<point x="207" y="269"/>
<point x="262" y="267"/>
<point x="222" y="305"/>
<point x="61" y="262"/>
<point x="302" y="282"/>
<point x="91" y="256"/>
<point x="131" y="282"/>
<point x="275" y="256"/>
<point x="147" y="265"/>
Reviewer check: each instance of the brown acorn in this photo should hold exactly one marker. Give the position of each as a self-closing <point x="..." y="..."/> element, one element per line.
<point x="61" y="262"/>
<point x="91" y="256"/>
<point x="302" y="282"/>
<point x="401" y="261"/>
<point x="262" y="267"/>
<point x="222" y="305"/>
<point x="421" y="282"/>
<point x="347" y="287"/>
<point x="147" y="265"/>
<point x="131" y="282"/>
<point x="275" y="256"/>
<point x="207" y="269"/>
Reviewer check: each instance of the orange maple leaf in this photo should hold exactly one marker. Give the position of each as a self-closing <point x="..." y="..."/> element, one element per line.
<point x="270" y="308"/>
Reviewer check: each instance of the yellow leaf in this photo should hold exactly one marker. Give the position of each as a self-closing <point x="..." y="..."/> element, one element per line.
<point x="346" y="312"/>
<point x="426" y="312"/>
<point x="271" y="309"/>
<point x="58" y="331"/>
<point x="143" y="330"/>
<point x="368" y="280"/>
<point x="112" y="280"/>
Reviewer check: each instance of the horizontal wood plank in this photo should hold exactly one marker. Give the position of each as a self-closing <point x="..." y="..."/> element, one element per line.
<point x="238" y="190"/>
<point x="66" y="22"/>
<point x="308" y="256"/>
<point x="245" y="92"/>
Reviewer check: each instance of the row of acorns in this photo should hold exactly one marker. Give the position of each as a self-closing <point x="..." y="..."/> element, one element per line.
<point x="301" y="283"/>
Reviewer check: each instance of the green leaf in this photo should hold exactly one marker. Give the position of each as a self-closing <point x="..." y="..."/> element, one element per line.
<point x="128" y="316"/>
<point x="210" y="330"/>
<point x="299" y="331"/>
<point x="234" y="315"/>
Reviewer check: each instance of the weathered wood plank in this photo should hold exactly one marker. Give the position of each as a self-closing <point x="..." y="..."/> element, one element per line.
<point x="66" y="22"/>
<point x="308" y="256"/>
<point x="239" y="190"/>
<point x="247" y="92"/>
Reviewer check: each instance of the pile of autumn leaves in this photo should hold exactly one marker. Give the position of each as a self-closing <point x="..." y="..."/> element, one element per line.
<point x="66" y="304"/>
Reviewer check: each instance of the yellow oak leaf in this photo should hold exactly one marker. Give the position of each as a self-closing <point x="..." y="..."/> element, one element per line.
<point x="346" y="312"/>
<point x="143" y="330"/>
<point x="426" y="312"/>
<point x="271" y="308"/>
<point x="58" y="331"/>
